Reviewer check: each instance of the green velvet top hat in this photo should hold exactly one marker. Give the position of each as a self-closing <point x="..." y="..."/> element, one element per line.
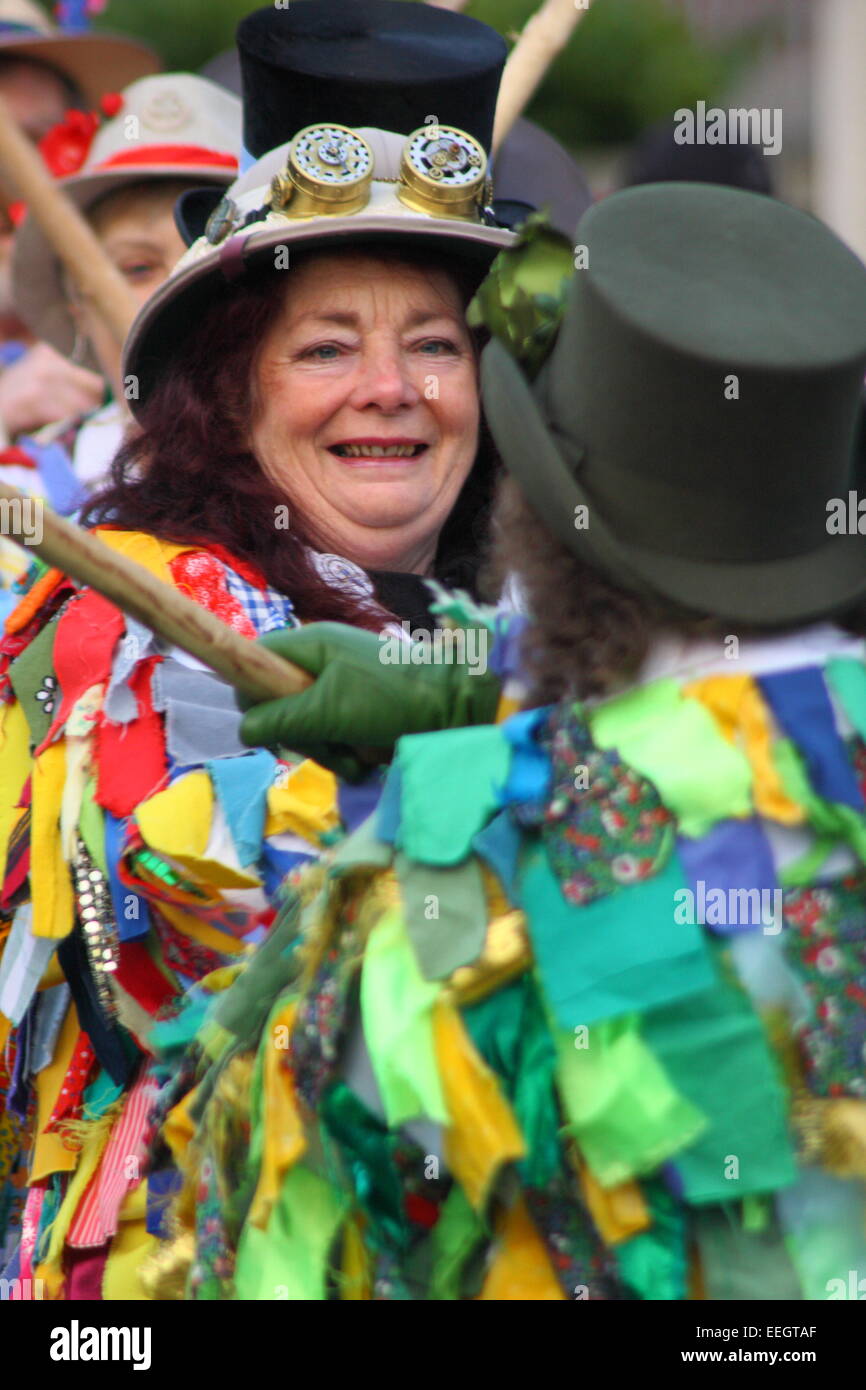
<point x="701" y="403"/>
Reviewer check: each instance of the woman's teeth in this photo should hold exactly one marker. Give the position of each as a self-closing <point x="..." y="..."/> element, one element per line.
<point x="377" y="451"/>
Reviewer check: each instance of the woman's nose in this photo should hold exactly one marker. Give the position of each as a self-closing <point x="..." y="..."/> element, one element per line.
<point x="384" y="381"/>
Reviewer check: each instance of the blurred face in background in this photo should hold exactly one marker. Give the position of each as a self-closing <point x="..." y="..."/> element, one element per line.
<point x="137" y="231"/>
<point x="37" y="98"/>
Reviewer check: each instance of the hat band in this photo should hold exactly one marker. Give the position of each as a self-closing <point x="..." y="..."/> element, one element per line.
<point x="182" y="155"/>
<point x="7" y="26"/>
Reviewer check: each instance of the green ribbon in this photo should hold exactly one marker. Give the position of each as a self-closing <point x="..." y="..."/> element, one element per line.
<point x="654" y="1263"/>
<point x="510" y="1031"/>
<point x="450" y="783"/>
<point x="455" y="1240"/>
<point x="619" y="954"/>
<point x="619" y="1103"/>
<point x="714" y="1049"/>
<point x="446" y="914"/>
<point x="397" y="1011"/>
<point x="290" y="1259"/>
<point x="366" y="1153"/>
<point x="831" y="821"/>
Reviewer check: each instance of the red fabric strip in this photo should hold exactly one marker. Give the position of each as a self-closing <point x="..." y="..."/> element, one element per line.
<point x="87" y="634"/>
<point x="69" y="1103"/>
<point x="201" y="576"/>
<point x="130" y="758"/>
<point x="140" y="976"/>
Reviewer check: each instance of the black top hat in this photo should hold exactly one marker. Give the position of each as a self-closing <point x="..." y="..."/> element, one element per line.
<point x="383" y="63"/>
<point x="701" y="404"/>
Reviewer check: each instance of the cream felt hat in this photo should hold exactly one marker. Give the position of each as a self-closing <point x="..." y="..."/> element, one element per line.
<point x="173" y="125"/>
<point x="341" y="188"/>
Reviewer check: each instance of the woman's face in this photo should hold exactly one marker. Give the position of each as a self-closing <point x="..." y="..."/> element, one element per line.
<point x="367" y="410"/>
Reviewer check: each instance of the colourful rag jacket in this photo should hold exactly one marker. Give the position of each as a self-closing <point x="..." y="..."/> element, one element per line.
<point x="580" y="1012"/>
<point x="141" y="847"/>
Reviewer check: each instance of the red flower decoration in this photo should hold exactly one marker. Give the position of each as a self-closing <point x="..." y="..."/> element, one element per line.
<point x="111" y="103"/>
<point x="64" y="149"/>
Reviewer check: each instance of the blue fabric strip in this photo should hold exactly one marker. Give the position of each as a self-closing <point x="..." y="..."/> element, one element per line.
<point x="801" y="703"/>
<point x="733" y="859"/>
<point x="388" y="814"/>
<point x="242" y="785"/>
<point x="359" y="800"/>
<point x="131" y="912"/>
<point x="273" y="866"/>
<point x="531" y="774"/>
<point x="498" y="844"/>
<point x="66" y="492"/>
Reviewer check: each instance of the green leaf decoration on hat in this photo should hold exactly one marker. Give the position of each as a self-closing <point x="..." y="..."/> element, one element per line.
<point x="523" y="297"/>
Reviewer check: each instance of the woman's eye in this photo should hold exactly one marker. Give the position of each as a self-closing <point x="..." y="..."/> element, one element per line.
<point x="323" y="352"/>
<point x="434" y="346"/>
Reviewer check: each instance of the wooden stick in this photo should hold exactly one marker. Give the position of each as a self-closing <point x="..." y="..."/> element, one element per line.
<point x="249" y="666"/>
<point x="71" y="237"/>
<point x="543" y="37"/>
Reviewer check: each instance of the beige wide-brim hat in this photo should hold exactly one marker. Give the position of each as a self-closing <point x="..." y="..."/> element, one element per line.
<point x="95" y="62"/>
<point x="174" y="125"/>
<point x="246" y="230"/>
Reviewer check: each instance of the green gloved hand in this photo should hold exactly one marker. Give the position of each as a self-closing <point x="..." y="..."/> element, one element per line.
<point x="359" y="701"/>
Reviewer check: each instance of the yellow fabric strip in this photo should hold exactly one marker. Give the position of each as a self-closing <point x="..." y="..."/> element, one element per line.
<point x="179" y="1127"/>
<point x="50" y="1152"/>
<point x="357" y="1281"/>
<point x="51" y="889"/>
<point x="282" y="1126"/>
<point x="14" y="769"/>
<point x="618" y="1212"/>
<point x="736" y="705"/>
<point x="176" y="823"/>
<point x="521" y="1270"/>
<point x="483" y="1134"/>
<point x="508" y="705"/>
<point x="146" y="550"/>
<point x="129" y="1249"/>
<point x="305" y="805"/>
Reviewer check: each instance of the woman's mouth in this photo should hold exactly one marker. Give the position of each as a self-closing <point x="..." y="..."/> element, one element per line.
<point x="378" y="450"/>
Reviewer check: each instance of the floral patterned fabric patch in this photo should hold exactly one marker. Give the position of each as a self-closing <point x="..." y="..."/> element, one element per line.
<point x="826" y="942"/>
<point x="603" y="824"/>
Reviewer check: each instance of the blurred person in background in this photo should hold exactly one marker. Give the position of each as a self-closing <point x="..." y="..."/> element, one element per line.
<point x="45" y="73"/>
<point x="658" y="157"/>
<point x="168" y="133"/>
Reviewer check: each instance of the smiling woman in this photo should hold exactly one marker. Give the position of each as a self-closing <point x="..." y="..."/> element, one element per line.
<point x="369" y="405"/>
<point x="282" y="398"/>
